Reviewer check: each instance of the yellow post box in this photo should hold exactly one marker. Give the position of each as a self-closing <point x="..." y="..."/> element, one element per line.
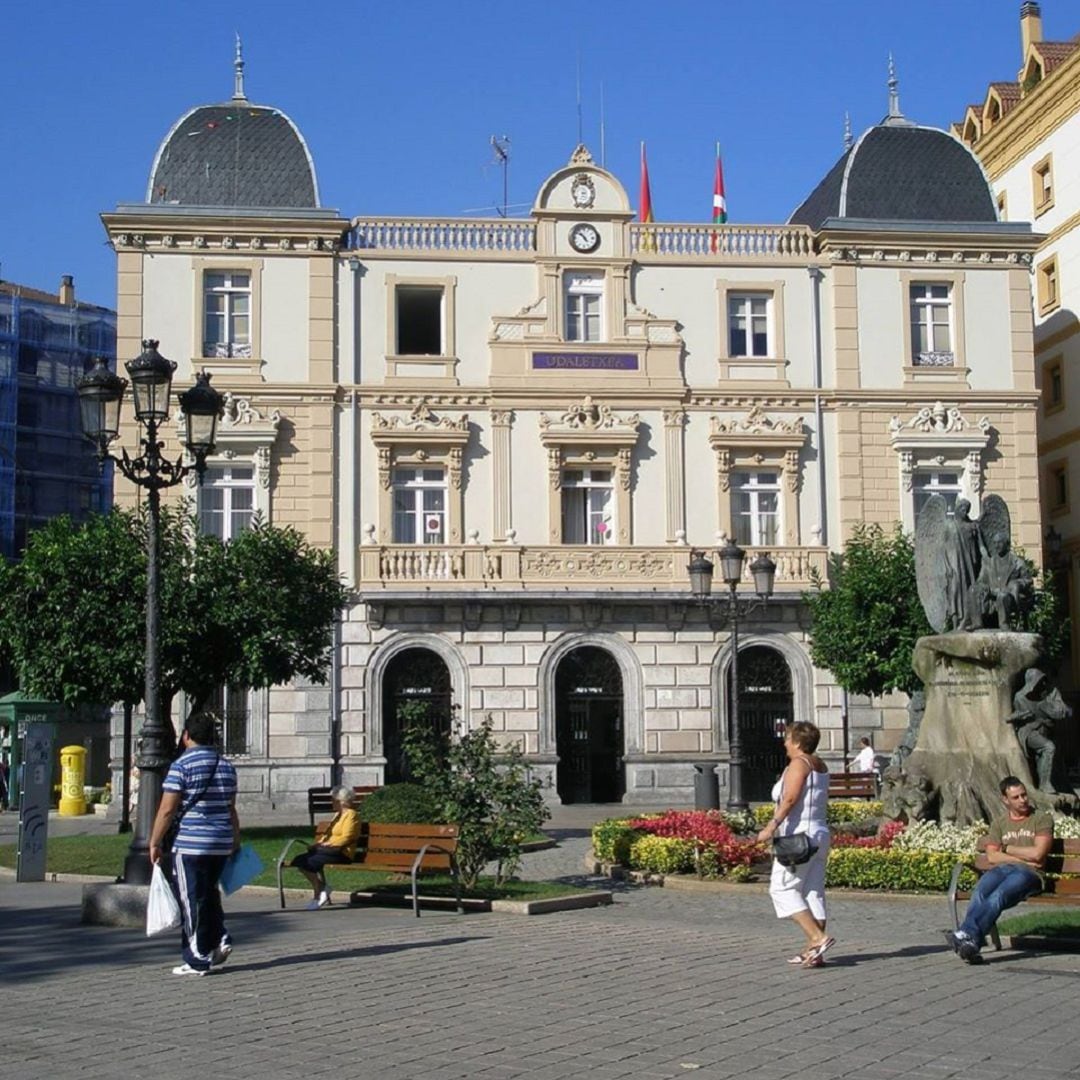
<point x="72" y="775"/>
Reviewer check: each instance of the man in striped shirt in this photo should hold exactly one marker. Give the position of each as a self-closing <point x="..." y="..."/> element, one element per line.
<point x="201" y="788"/>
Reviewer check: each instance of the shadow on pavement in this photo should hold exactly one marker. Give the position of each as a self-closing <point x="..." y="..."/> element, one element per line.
<point x="351" y="954"/>
<point x="855" y="959"/>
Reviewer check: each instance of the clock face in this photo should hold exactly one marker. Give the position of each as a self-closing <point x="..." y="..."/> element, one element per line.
<point x="584" y="238"/>
<point x="582" y="191"/>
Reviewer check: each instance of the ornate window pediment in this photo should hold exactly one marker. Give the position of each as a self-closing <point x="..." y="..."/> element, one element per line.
<point x="589" y="435"/>
<point x="243" y="432"/>
<point x="420" y="438"/>
<point x="940" y="438"/>
<point x="759" y="441"/>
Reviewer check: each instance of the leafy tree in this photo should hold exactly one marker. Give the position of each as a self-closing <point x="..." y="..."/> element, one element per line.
<point x="483" y="789"/>
<point x="255" y="612"/>
<point x="863" y="628"/>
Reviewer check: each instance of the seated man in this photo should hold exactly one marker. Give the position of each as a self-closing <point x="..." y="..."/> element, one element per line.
<point x="1016" y="847"/>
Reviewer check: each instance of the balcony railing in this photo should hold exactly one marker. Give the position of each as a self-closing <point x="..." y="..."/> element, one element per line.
<point x="718" y="243"/>
<point x="502" y="566"/>
<point x="433" y="236"/>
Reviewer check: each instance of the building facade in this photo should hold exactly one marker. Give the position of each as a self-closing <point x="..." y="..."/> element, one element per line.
<point x="515" y="432"/>
<point x="1026" y="133"/>
<point x="46" y="467"/>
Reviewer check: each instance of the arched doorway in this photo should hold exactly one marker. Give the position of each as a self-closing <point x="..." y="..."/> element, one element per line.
<point x="416" y="690"/>
<point x="589" y="727"/>
<point x="766" y="704"/>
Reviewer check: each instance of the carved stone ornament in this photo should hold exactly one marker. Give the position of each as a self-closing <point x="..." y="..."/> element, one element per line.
<point x="675" y="418"/>
<point x="581" y="155"/>
<point x="199" y="241"/>
<point x="421" y="419"/>
<point x="256" y="243"/>
<point x="756" y="422"/>
<point x="588" y="416"/>
<point x="240" y="411"/>
<point x="228" y="242"/>
<point x="938" y="420"/>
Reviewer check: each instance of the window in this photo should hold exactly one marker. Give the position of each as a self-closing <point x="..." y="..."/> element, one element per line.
<point x="748" y="324"/>
<point x="1047" y="287"/>
<point x="419" y="506"/>
<point x="232" y="706"/>
<point x="757" y="508"/>
<point x="1058" y="487"/>
<point x="936" y="483"/>
<point x="931" y="324"/>
<point x="584" y="302"/>
<point x="227" y="501"/>
<point x="1042" y="185"/>
<point x="588" y="506"/>
<point x="227" y="313"/>
<point x="1053" y="385"/>
<point x="419" y="320"/>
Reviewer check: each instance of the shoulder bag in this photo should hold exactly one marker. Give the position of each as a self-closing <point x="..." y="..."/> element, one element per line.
<point x="796" y="849"/>
<point x="171" y="832"/>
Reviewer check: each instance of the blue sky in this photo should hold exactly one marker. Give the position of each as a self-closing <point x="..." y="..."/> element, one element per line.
<point x="398" y="101"/>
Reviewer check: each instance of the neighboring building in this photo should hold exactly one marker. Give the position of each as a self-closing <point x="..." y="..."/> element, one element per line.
<point x="515" y="432"/>
<point x="47" y="468"/>
<point x="1027" y="135"/>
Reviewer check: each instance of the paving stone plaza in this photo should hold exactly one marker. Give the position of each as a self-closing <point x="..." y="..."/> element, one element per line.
<point x="660" y="984"/>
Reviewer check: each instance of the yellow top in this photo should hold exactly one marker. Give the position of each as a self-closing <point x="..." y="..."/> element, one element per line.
<point x="343" y="832"/>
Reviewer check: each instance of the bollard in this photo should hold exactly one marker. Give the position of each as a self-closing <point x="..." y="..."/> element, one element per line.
<point x="72" y="775"/>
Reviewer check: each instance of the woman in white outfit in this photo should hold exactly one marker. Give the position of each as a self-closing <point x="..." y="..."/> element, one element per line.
<point x="801" y="795"/>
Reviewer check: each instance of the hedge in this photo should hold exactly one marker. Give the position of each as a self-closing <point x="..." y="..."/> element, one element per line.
<point x="399" y="804"/>
<point x="892" y="868"/>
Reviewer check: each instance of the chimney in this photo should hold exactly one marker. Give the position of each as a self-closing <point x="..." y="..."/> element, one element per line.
<point x="1030" y="27"/>
<point x="67" y="291"/>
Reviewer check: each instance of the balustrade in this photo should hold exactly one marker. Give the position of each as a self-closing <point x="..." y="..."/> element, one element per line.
<point x="509" y="566"/>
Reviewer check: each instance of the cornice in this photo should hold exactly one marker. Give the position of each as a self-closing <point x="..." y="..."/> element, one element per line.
<point x="981" y="250"/>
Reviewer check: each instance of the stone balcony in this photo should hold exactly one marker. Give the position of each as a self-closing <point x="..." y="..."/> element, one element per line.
<point x="508" y="568"/>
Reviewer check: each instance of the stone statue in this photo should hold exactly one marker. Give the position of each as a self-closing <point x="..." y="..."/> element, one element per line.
<point x="916" y="708"/>
<point x="905" y="797"/>
<point x="967" y="575"/>
<point x="963" y="557"/>
<point x="1036" y="707"/>
<point x="1003" y="590"/>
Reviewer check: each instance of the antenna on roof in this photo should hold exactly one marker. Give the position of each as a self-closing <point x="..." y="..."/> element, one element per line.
<point x="580" y="138"/>
<point x="501" y="145"/>
<point x="849" y="142"/>
<point x="894" y="92"/>
<point x="238" y="71"/>
<point x="603" y="150"/>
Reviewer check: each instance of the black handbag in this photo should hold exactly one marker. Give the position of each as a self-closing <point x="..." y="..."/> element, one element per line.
<point x="793" y="850"/>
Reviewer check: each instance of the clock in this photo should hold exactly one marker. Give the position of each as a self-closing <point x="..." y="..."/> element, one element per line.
<point x="584" y="238"/>
<point x="582" y="191"/>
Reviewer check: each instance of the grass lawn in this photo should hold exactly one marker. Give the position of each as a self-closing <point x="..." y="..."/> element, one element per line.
<point x="1044" y="923"/>
<point x="104" y="856"/>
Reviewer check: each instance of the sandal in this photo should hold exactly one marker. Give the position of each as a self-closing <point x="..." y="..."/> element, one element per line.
<point x="798" y="958"/>
<point x="818" y="951"/>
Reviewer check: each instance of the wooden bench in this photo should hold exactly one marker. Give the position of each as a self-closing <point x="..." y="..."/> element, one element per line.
<point x="1064" y="858"/>
<point x="398" y="849"/>
<point x="319" y="801"/>
<point x="852" y="785"/>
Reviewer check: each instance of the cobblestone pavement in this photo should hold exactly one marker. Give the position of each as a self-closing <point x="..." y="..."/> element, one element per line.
<point x="661" y="984"/>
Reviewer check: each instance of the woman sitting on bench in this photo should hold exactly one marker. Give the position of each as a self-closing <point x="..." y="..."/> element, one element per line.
<point x="336" y="845"/>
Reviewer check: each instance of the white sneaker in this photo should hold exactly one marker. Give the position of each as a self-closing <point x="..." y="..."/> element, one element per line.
<point x="220" y="955"/>
<point x="187" y="969"/>
<point x="324" y="898"/>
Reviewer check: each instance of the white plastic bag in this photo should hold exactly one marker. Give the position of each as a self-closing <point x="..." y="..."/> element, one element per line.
<point x="162" y="910"/>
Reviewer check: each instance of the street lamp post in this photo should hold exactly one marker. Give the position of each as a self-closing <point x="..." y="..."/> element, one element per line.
<point x="763" y="570"/>
<point x="101" y="394"/>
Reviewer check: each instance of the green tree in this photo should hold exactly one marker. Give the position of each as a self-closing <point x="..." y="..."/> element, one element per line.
<point x="483" y="789"/>
<point x="864" y="626"/>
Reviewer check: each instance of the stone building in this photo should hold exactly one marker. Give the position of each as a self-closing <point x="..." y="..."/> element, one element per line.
<point x="515" y="432"/>
<point x="1026" y="133"/>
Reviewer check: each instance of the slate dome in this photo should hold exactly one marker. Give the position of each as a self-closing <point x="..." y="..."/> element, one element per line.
<point x="235" y="154"/>
<point x="902" y="172"/>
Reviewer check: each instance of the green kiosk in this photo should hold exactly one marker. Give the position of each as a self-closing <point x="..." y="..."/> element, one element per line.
<point x="16" y="711"/>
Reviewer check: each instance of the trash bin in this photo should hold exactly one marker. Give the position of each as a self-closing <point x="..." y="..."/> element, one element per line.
<point x="706" y="786"/>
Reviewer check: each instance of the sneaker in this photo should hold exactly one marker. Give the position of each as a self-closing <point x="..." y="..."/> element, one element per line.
<point x="968" y="951"/>
<point x="324" y="898"/>
<point x="187" y="969"/>
<point x="220" y="954"/>
<point x="953" y="938"/>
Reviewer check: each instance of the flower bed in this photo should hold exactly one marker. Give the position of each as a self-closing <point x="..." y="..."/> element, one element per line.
<point x="866" y="853"/>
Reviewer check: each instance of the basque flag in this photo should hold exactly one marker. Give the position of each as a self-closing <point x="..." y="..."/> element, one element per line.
<point x="719" y="203"/>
